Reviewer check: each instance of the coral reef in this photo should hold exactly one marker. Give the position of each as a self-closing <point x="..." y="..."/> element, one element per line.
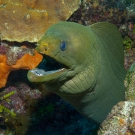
<point x="120" y="121"/>
<point x="27" y="20"/>
<point x="17" y="105"/>
<point x="127" y="29"/>
<point x="129" y="57"/>
<point x="98" y="11"/>
<point x="128" y="33"/>
<point x="14" y="58"/>
<point x="130" y="83"/>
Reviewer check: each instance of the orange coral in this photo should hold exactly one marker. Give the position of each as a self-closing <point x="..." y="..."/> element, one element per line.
<point x="26" y="62"/>
<point x="122" y="121"/>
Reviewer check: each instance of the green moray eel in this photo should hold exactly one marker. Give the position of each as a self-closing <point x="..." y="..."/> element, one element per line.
<point x="84" y="65"/>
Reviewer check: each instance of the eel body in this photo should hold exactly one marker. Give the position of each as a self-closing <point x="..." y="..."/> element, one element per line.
<point x="84" y="65"/>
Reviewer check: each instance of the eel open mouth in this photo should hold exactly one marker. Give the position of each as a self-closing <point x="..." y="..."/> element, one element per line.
<point x="50" y="64"/>
<point x="48" y="70"/>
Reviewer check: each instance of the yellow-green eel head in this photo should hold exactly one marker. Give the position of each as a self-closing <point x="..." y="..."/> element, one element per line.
<point x="84" y="65"/>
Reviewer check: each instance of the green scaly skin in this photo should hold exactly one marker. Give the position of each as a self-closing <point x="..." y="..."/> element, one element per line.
<point x="92" y="81"/>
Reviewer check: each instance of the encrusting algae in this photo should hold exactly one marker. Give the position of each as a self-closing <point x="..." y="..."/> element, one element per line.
<point x="16" y="108"/>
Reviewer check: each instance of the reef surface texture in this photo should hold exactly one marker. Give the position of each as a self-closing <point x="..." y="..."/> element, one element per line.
<point x="27" y="20"/>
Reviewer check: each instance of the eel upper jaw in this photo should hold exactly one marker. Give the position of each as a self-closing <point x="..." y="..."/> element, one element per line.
<point x="48" y="70"/>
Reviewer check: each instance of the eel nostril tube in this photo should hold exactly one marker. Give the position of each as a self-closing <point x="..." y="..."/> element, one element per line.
<point x="45" y="48"/>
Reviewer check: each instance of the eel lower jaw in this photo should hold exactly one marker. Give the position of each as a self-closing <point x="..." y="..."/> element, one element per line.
<point x="48" y="70"/>
<point x="40" y="75"/>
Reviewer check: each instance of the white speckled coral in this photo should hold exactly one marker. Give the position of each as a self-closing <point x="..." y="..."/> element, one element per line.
<point x="121" y="120"/>
<point x="130" y="83"/>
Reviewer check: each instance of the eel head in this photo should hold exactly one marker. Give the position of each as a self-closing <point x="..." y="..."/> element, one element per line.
<point x="61" y="60"/>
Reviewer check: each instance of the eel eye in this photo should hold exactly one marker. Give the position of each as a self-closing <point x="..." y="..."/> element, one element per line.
<point x="63" y="46"/>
